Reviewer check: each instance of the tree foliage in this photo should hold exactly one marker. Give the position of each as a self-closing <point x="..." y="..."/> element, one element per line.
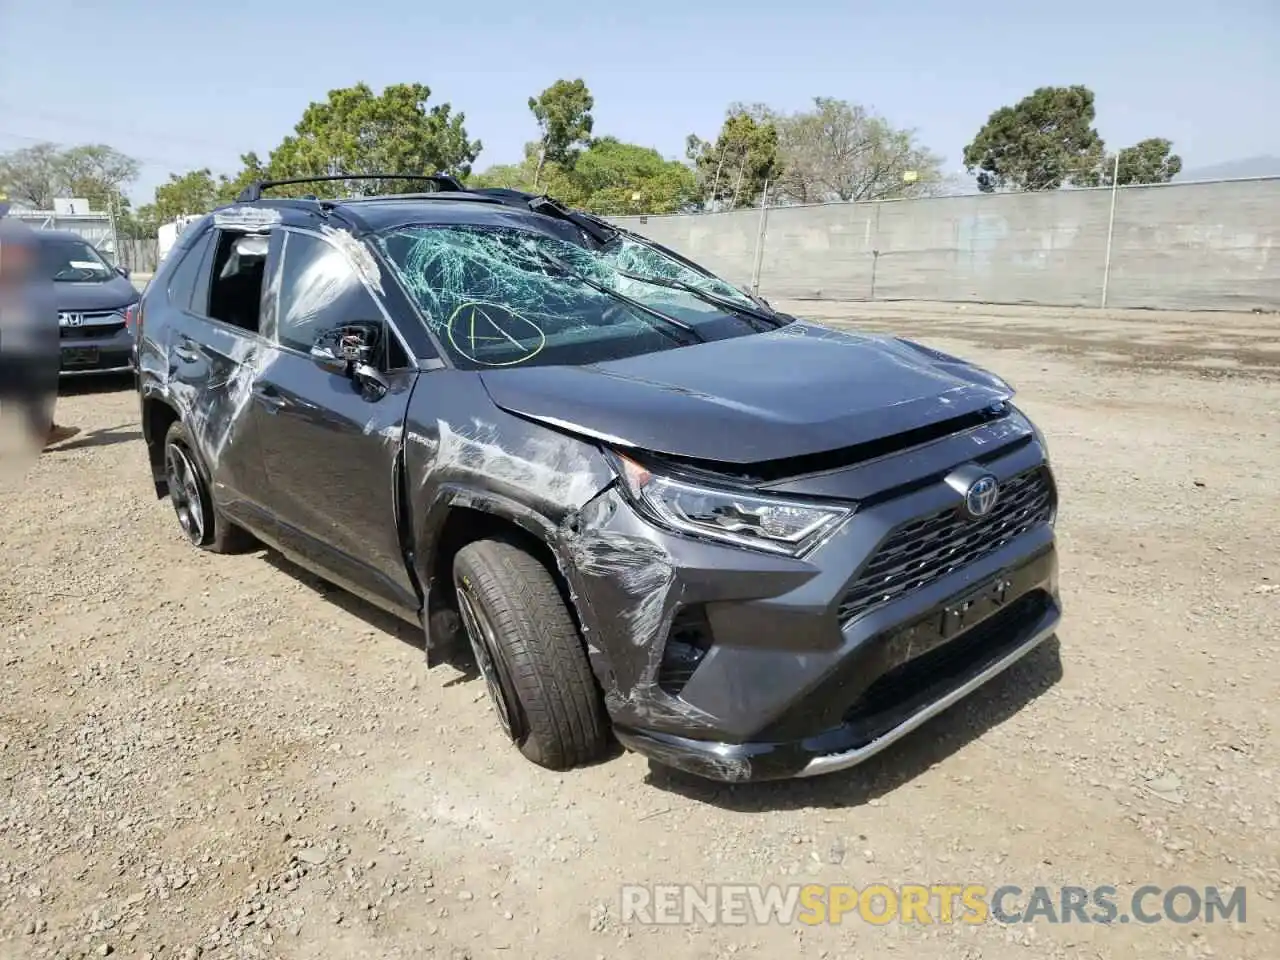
<point x="835" y="151"/>
<point x="732" y="171"/>
<point x="613" y="177"/>
<point x="1147" y="161"/>
<point x="609" y="177"/>
<point x="603" y="175"/>
<point x="357" y="131"/>
<point x="251" y="169"/>
<point x="841" y="151"/>
<point x="36" y="175"/>
<point x="1044" y="141"/>
<point x="563" y="115"/>
<point x="189" y="193"/>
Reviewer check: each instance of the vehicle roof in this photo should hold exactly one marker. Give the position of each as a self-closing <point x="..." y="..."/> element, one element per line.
<point x="364" y="215"/>
<point x="61" y="235"/>
<point x="383" y="213"/>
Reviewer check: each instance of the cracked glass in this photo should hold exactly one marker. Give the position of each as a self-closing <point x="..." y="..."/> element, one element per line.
<point x="499" y="296"/>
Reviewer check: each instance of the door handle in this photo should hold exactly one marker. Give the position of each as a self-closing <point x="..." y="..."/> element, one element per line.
<point x="185" y="351"/>
<point x="269" y="398"/>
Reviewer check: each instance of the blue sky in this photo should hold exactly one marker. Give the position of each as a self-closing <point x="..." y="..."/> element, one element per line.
<point x="187" y="84"/>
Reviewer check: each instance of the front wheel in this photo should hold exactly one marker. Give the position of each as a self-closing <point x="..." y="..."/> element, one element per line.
<point x="201" y="522"/>
<point x="528" y="651"/>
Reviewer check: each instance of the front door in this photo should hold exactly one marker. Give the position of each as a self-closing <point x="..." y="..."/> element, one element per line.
<point x="330" y="442"/>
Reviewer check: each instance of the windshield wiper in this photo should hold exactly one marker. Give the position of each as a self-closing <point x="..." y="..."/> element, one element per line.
<point x="724" y="303"/>
<point x="554" y="261"/>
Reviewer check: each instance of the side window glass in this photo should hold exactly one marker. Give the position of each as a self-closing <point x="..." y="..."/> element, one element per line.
<point x="319" y="291"/>
<point x="235" y="289"/>
<point x="186" y="276"/>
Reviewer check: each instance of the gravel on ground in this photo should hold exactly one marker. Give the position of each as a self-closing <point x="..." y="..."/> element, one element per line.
<point x="213" y="757"/>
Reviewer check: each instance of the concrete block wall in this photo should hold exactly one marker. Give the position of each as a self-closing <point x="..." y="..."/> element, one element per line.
<point x="1195" y="246"/>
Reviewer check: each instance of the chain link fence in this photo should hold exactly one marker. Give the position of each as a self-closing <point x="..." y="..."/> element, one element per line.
<point x="1182" y="246"/>
<point x="139" y="254"/>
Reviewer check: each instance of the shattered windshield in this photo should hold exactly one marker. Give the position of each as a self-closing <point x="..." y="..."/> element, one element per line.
<point x="499" y="296"/>
<point x="72" y="261"/>
<point x="633" y="256"/>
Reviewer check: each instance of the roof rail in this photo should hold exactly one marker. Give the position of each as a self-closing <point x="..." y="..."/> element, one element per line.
<point x="253" y="192"/>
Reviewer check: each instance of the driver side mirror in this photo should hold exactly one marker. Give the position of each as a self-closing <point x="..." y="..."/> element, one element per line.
<point x="123" y="271"/>
<point x="351" y="350"/>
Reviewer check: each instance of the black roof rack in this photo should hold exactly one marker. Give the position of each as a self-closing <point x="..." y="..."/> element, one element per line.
<point x="253" y="192"/>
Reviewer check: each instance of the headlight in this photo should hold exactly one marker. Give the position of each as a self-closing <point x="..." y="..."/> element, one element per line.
<point x="790" y="527"/>
<point x="1039" y="435"/>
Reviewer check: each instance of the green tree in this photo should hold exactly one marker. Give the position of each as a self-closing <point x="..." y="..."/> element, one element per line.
<point x="251" y="169"/>
<point x="512" y="176"/>
<point x="358" y="131"/>
<point x="97" y="172"/>
<point x="1147" y="161"/>
<point x="612" y="177"/>
<point x="732" y="171"/>
<point x="32" y="175"/>
<point x="841" y="151"/>
<point x="609" y="177"/>
<point x="1044" y="141"/>
<point x="563" y="113"/>
<point x="189" y="193"/>
<point x="38" y="174"/>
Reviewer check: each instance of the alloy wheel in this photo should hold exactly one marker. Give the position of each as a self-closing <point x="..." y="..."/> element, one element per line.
<point x="483" y="646"/>
<point x="184" y="493"/>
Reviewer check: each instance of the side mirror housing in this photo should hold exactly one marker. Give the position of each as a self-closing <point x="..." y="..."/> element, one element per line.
<point x="123" y="271"/>
<point x="348" y="347"/>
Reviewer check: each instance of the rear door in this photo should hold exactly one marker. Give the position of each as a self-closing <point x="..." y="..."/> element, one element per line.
<point x="213" y="349"/>
<point x="330" y="442"/>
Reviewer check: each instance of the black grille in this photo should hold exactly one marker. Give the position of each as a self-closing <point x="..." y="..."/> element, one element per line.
<point x="94" y="325"/>
<point x="928" y="548"/>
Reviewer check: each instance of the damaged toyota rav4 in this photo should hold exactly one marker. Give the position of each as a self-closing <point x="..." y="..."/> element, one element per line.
<point x="655" y="508"/>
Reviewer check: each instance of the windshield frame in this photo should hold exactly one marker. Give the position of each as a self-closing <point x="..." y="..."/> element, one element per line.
<point x="553" y="236"/>
<point x="47" y="244"/>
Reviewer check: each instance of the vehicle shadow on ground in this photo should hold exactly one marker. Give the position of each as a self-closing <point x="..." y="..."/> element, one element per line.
<point x="375" y="617"/>
<point x="458" y="656"/>
<point x="86" y="386"/>
<point x="988" y="707"/>
<point x="106" y="437"/>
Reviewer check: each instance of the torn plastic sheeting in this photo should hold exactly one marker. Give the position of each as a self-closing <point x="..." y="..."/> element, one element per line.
<point x="359" y="254"/>
<point x="730" y="769"/>
<point x="640" y="568"/>
<point x="550" y="467"/>
<point x="643" y="571"/>
<point x="246" y="218"/>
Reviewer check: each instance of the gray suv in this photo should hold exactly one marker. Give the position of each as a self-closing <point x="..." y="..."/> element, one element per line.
<point x="648" y="504"/>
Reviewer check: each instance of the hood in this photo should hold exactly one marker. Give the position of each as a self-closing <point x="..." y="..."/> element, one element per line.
<point x="114" y="294"/>
<point x="799" y="390"/>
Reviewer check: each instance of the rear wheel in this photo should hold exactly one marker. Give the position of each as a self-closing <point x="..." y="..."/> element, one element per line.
<point x="528" y="651"/>
<point x="188" y="481"/>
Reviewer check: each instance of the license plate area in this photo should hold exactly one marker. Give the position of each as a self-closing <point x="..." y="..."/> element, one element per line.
<point x="974" y="606"/>
<point x="959" y="614"/>
<point x="79" y="356"/>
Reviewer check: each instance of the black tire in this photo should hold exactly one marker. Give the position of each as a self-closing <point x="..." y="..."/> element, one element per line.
<point x="538" y="674"/>
<point x="202" y="523"/>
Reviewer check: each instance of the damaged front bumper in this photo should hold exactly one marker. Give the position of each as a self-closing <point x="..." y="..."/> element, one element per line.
<point x="736" y="665"/>
<point x="974" y="659"/>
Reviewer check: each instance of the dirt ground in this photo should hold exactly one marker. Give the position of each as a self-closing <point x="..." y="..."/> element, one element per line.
<point x="221" y="757"/>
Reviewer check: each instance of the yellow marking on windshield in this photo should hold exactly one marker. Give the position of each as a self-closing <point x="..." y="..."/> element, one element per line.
<point x="499" y="319"/>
